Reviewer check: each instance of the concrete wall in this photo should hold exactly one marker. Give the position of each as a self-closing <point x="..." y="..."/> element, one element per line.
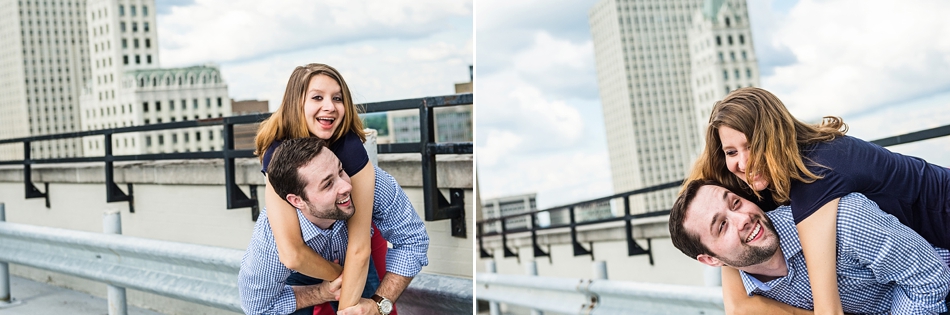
<point x="184" y="201"/>
<point x="609" y="245"/>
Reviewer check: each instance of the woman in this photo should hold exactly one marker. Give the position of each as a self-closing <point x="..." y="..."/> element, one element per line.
<point x="317" y="103"/>
<point x="754" y="145"/>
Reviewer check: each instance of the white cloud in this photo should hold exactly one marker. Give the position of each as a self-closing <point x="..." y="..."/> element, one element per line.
<point x="854" y="55"/>
<point x="558" y="178"/>
<point x="226" y="30"/>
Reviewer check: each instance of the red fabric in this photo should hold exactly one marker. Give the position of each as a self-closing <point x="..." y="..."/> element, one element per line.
<point x="378" y="248"/>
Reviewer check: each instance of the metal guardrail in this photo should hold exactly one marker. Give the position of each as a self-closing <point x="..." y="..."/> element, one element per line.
<point x="201" y="274"/>
<point x="437" y="207"/>
<point x="633" y="248"/>
<point x="585" y="296"/>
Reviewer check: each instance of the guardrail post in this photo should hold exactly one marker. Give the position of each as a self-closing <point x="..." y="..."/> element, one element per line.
<point x="600" y="270"/>
<point x="712" y="276"/>
<point x="531" y="268"/>
<point x="370" y="146"/>
<point x="4" y="267"/>
<point x="493" y="307"/>
<point x="112" y="224"/>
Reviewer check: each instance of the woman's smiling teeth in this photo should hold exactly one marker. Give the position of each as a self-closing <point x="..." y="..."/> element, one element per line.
<point x="325" y="120"/>
<point x="755" y="232"/>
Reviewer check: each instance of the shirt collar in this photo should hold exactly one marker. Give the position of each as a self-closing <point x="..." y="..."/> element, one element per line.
<point x="309" y="230"/>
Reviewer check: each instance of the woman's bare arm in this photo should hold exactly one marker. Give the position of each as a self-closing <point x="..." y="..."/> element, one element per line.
<point x="358" y="245"/>
<point x="737" y="302"/>
<point x="291" y="250"/>
<point x="819" y="245"/>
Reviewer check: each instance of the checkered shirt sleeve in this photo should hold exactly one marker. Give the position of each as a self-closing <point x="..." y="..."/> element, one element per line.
<point x="895" y="254"/>
<point x="399" y="224"/>
<point x="261" y="279"/>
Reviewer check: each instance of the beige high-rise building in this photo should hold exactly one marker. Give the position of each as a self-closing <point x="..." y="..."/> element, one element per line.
<point x="128" y="88"/>
<point x="44" y="63"/>
<point x="659" y="71"/>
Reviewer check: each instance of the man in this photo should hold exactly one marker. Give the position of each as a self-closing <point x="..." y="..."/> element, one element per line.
<point x="323" y="202"/>
<point x="883" y="266"/>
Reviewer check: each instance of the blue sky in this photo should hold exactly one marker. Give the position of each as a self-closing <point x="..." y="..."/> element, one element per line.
<point x="386" y="50"/>
<point x="883" y="66"/>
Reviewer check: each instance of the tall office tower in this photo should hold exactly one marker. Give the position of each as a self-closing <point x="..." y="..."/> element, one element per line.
<point x="128" y="87"/>
<point x="723" y="58"/>
<point x="44" y="63"/>
<point x="645" y="74"/>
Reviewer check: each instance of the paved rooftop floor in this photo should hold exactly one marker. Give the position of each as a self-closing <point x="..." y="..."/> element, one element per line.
<point x="35" y="298"/>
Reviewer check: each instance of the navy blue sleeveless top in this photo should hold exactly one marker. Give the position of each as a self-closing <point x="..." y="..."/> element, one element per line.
<point x="348" y="149"/>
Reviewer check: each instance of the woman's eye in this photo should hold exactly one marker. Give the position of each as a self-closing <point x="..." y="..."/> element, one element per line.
<point x="337" y="99"/>
<point x="317" y="98"/>
<point x="730" y="152"/>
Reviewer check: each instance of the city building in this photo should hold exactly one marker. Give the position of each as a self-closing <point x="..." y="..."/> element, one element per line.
<point x="452" y="124"/>
<point x="244" y="134"/>
<point x="44" y="63"/>
<point x="659" y="71"/>
<point x="128" y="88"/>
<point x="509" y="205"/>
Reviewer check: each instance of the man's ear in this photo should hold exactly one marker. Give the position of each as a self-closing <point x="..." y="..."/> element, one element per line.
<point x="709" y="260"/>
<point x="296" y="201"/>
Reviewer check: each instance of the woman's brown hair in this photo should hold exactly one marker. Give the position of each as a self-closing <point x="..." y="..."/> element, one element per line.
<point x="774" y="138"/>
<point x="288" y="122"/>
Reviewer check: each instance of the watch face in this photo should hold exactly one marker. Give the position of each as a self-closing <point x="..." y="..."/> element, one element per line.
<point x="386" y="306"/>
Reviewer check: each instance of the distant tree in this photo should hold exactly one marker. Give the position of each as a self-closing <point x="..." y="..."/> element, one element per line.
<point x="376" y="121"/>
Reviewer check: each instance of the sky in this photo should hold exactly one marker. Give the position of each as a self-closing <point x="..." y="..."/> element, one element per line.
<point x="884" y="66"/>
<point x="385" y="49"/>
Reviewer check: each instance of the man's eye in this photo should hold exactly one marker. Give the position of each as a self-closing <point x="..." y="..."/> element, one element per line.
<point x="721" y="225"/>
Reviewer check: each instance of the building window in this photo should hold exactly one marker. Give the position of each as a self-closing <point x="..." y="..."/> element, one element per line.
<point x="721" y="59"/>
<point x="741" y="39"/>
<point x="161" y="139"/>
<point x="198" y="136"/>
<point x="748" y="73"/>
<point x="174" y="138"/>
<point x="148" y="140"/>
<point x="158" y="105"/>
<point x="186" y="137"/>
<point x="171" y="105"/>
<point x="737" y="74"/>
<point x="138" y="60"/>
<point x="727" y="22"/>
<point x="125" y="59"/>
<point x="194" y="103"/>
<point x="148" y="59"/>
<point x="145" y="27"/>
<point x="219" y="102"/>
<point x="725" y="74"/>
<point x="135" y="43"/>
<point x="122" y="26"/>
<point x="132" y="10"/>
<point x="732" y="55"/>
<point x="144" y="10"/>
<point x="718" y="41"/>
<point x="121" y="10"/>
<point x="125" y="43"/>
<point x="145" y="107"/>
<point x="744" y="57"/>
<point x="135" y="26"/>
<point x="208" y="102"/>
<point x="148" y="43"/>
<point x="730" y="38"/>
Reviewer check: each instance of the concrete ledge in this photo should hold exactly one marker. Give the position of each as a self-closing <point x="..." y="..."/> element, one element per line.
<point x="454" y="171"/>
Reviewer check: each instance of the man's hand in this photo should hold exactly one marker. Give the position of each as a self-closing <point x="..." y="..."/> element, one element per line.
<point x="311" y="295"/>
<point x="365" y="307"/>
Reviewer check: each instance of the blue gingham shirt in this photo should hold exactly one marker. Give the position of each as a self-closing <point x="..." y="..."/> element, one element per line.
<point x="883" y="266"/>
<point x="262" y="276"/>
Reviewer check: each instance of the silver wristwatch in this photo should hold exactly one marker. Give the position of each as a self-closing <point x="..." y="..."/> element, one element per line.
<point x="385" y="305"/>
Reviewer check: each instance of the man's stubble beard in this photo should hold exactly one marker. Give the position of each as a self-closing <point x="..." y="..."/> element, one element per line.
<point x="756" y="255"/>
<point x="334" y="213"/>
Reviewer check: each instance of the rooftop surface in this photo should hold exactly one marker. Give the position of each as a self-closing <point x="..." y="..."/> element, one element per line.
<point x="36" y="298"/>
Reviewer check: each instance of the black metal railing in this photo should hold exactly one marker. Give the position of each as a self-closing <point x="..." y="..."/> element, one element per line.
<point x="437" y="207"/>
<point x="633" y="248"/>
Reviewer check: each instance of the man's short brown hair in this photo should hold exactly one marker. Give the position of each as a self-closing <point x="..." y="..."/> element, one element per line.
<point x="289" y="156"/>
<point x="687" y="242"/>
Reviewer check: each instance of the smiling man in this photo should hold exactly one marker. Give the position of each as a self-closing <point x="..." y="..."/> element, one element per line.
<point x="883" y="266"/>
<point x="311" y="178"/>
